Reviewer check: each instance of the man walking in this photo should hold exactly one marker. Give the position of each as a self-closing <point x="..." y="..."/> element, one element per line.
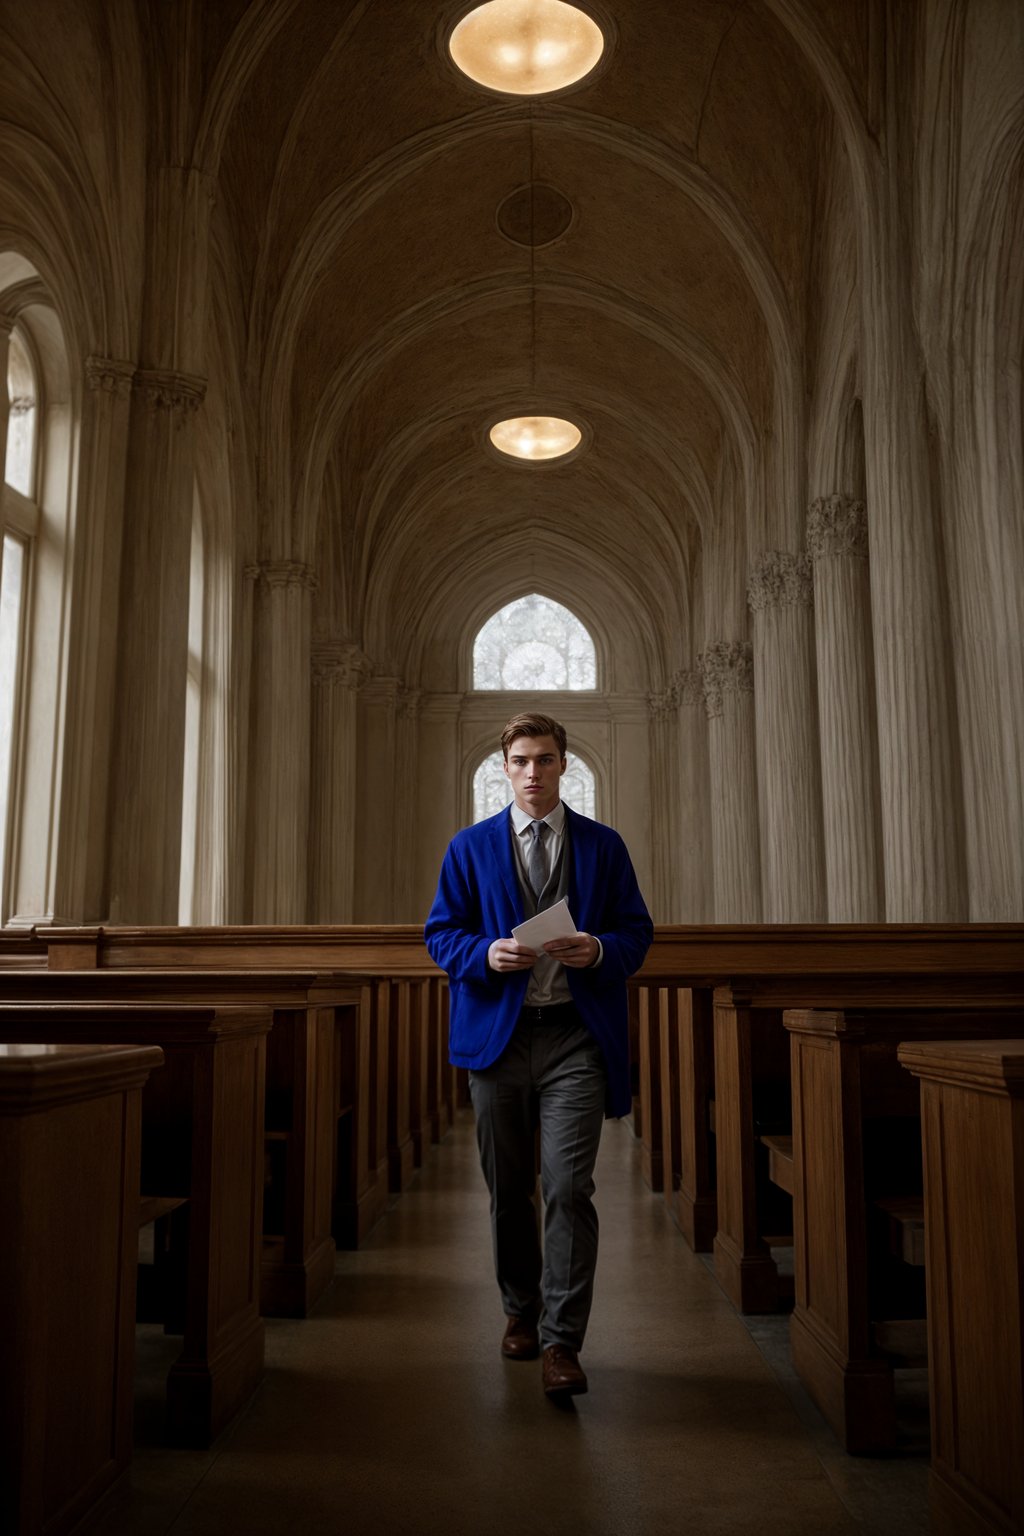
<point x="543" y="1032"/>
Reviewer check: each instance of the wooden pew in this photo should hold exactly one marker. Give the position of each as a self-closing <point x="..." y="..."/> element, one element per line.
<point x="70" y="1122"/>
<point x="392" y="957"/>
<point x="756" y="972"/>
<point x="972" y="1107"/>
<point x="202" y="1138"/>
<point x="315" y="1061"/>
<point x="856" y="1140"/>
<point x="676" y="1062"/>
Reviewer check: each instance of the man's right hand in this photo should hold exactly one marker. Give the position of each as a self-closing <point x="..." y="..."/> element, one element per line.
<point x="507" y="955"/>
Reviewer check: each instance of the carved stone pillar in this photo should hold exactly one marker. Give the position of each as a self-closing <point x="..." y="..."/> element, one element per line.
<point x="728" y="675"/>
<point x="407" y="754"/>
<point x="376" y="830"/>
<point x="694" y="882"/>
<point x="663" y="708"/>
<point x="918" y="749"/>
<point x="780" y="594"/>
<point x="279" y="809"/>
<point x="837" y="540"/>
<point x="81" y="889"/>
<point x="338" y="673"/>
<point x="145" y="828"/>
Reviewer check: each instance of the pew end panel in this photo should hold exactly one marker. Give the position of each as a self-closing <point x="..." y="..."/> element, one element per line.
<point x="70" y="1124"/>
<point x="205" y="1138"/>
<point x="972" y="1103"/>
<point x="752" y="1099"/>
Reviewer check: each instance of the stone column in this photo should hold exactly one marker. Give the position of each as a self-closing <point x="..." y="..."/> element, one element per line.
<point x="789" y="774"/>
<point x="837" y="540"/>
<point x="404" y="909"/>
<point x="145" y="826"/>
<point x="694" y="879"/>
<point x="376" y="839"/>
<point x="339" y="671"/>
<point x="279" y="808"/>
<point x="918" y="750"/>
<point x="81" y="890"/>
<point x="663" y="709"/>
<point x="728" y="674"/>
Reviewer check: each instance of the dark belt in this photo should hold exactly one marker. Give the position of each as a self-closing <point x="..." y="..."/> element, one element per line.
<point x="554" y="1013"/>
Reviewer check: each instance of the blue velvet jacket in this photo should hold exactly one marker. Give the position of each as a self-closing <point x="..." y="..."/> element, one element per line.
<point x="478" y="900"/>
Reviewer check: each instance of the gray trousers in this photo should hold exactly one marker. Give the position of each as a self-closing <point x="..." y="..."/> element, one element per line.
<point x="550" y="1075"/>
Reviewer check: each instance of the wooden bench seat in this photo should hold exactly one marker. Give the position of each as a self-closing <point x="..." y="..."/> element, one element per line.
<point x="906" y="1227"/>
<point x="202" y="1138"/>
<point x="780" y="1160"/>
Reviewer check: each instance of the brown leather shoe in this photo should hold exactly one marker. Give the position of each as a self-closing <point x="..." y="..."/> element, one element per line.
<point x="520" y="1341"/>
<point x="563" y="1374"/>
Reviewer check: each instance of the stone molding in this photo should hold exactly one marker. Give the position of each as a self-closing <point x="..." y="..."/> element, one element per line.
<point x="837" y="525"/>
<point x="110" y="375"/>
<point x="343" y="666"/>
<point x="164" y="389"/>
<point x="7" y="321"/>
<point x="283" y="573"/>
<point x="726" y="667"/>
<point x="409" y="703"/>
<point x="780" y="579"/>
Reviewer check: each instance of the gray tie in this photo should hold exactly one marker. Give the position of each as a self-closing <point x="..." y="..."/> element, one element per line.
<point x="537" y="864"/>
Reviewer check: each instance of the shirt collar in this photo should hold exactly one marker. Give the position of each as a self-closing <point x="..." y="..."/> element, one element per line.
<point x="522" y="819"/>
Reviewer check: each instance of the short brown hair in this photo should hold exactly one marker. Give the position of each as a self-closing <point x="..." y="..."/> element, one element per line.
<point x="530" y="724"/>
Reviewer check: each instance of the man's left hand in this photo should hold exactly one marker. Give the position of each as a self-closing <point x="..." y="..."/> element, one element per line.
<point x="579" y="951"/>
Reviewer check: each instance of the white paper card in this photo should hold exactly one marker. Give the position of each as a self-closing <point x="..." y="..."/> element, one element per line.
<point x="554" y="923"/>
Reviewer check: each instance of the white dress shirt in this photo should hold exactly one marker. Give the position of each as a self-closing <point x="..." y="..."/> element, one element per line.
<point x="548" y="982"/>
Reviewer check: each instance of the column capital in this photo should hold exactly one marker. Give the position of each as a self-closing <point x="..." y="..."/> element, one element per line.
<point x="689" y="687"/>
<point x="165" y="389"/>
<point x="344" y="666"/>
<point x="837" y="525"/>
<point x="727" y="667"/>
<point x="282" y="573"/>
<point x="780" y="579"/>
<point x="661" y="706"/>
<point x="111" y="375"/>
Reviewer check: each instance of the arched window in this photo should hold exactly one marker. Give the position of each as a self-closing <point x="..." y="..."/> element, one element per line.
<point x="492" y="790"/>
<point x="34" y="589"/>
<point x="534" y="645"/>
<point x="20" y="520"/>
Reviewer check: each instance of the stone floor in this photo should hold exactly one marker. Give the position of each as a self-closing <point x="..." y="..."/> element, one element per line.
<point x="391" y="1411"/>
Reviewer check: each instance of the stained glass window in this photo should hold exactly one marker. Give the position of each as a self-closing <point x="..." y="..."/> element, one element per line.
<point x="492" y="790"/>
<point x="534" y="645"/>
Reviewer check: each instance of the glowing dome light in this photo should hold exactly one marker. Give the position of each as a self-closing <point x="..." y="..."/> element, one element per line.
<point x="535" y="437"/>
<point x="526" y="47"/>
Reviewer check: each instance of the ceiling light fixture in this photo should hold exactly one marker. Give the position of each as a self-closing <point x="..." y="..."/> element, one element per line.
<point x="535" y="437"/>
<point x="526" y="47"/>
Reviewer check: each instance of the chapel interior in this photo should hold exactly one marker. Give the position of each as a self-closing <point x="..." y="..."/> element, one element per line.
<point x="276" y="276"/>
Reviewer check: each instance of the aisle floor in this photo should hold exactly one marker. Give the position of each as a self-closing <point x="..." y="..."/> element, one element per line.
<point x="391" y="1411"/>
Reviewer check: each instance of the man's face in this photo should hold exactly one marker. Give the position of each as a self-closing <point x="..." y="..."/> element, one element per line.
<point x="534" y="769"/>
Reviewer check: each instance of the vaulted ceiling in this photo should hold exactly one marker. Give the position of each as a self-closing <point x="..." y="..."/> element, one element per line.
<point x="379" y="320"/>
